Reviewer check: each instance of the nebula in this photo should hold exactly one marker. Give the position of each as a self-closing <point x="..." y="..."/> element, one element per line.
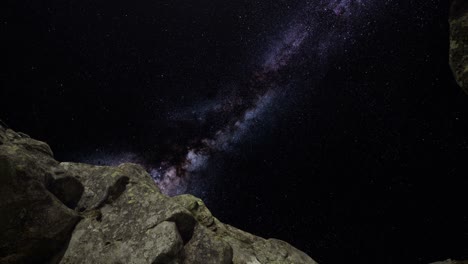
<point x="174" y="179"/>
<point x="315" y="33"/>
<point x="344" y="7"/>
<point x="283" y="50"/>
<point x="311" y="27"/>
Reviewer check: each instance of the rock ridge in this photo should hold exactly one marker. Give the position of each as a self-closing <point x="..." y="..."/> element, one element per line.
<point x="65" y="212"/>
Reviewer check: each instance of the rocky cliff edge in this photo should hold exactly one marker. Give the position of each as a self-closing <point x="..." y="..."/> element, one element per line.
<point x="63" y="212"/>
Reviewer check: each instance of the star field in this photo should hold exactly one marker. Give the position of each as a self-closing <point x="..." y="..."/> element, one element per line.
<point x="333" y="125"/>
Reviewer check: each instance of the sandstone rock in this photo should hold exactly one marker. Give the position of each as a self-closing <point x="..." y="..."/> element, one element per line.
<point x="77" y="213"/>
<point x="459" y="41"/>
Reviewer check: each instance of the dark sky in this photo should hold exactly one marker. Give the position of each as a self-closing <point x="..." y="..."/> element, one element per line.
<point x="359" y="156"/>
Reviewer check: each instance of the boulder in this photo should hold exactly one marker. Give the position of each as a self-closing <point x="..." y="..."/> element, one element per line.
<point x="459" y="41"/>
<point x="34" y="223"/>
<point x="52" y="212"/>
<point x="126" y="218"/>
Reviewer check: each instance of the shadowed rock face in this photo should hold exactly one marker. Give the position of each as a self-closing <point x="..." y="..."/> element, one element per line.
<point x="459" y="41"/>
<point x="34" y="223"/>
<point x="77" y="213"/>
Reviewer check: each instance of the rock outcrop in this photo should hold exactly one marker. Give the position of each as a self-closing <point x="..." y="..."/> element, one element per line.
<point x="449" y="261"/>
<point x="459" y="41"/>
<point x="52" y="212"/>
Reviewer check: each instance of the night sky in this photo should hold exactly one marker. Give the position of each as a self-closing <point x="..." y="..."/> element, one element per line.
<point x="335" y="125"/>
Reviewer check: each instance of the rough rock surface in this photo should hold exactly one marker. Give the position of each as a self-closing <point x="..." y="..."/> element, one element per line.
<point x="459" y="41"/>
<point x="34" y="223"/>
<point x="52" y="212"/>
<point x="449" y="261"/>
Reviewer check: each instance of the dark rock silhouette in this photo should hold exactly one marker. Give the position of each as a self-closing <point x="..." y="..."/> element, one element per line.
<point x="459" y="41"/>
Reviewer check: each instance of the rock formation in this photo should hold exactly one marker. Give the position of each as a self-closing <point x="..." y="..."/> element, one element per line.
<point x="459" y="41"/>
<point x="458" y="20"/>
<point x="62" y="212"/>
<point x="449" y="261"/>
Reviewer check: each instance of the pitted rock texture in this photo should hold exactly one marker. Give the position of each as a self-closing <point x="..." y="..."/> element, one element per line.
<point x="459" y="41"/>
<point x="34" y="223"/>
<point x="52" y="212"/>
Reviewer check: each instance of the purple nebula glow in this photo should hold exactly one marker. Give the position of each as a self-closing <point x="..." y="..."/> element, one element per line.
<point x="318" y="30"/>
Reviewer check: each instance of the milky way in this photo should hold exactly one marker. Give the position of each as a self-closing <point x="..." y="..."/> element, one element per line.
<point x="315" y="33"/>
<point x="320" y="28"/>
